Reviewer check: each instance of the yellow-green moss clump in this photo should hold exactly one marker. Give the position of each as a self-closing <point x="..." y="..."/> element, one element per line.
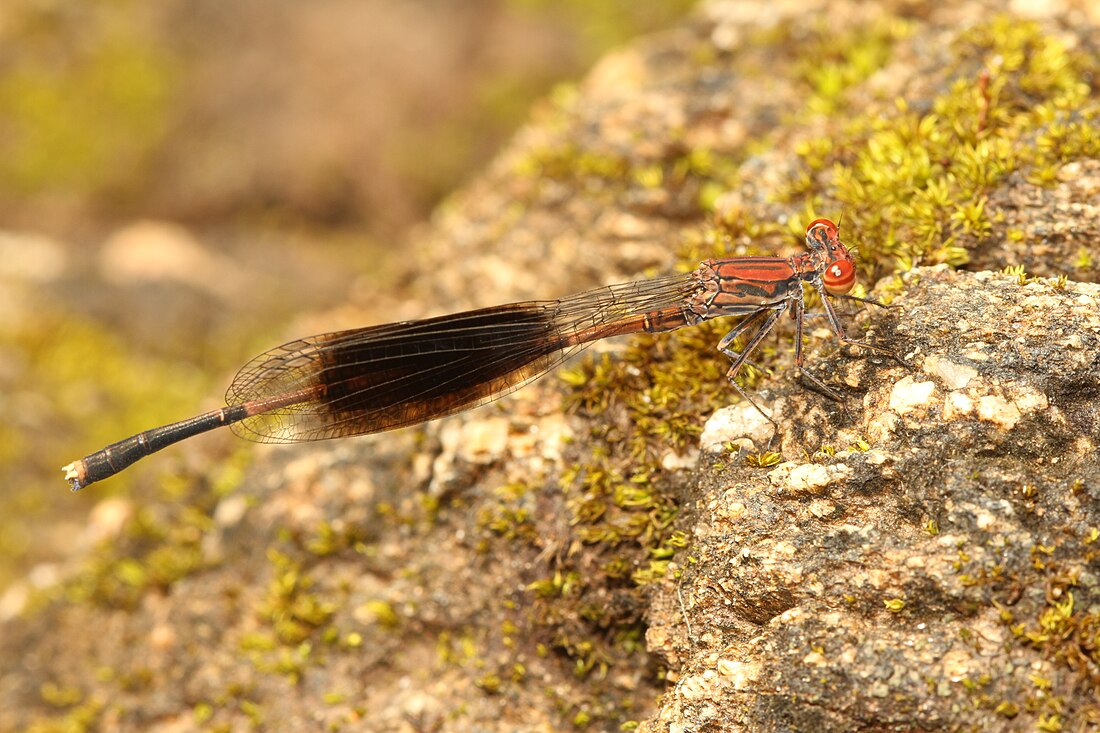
<point x="913" y="184"/>
<point x="1068" y="636"/>
<point x="80" y="110"/>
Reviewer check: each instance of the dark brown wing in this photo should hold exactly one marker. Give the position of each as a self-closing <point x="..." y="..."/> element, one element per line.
<point x="378" y="378"/>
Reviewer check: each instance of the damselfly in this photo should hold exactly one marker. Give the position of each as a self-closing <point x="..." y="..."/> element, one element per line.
<point x="368" y="380"/>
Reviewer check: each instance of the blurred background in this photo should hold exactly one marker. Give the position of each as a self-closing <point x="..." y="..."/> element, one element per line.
<point x="184" y="184"/>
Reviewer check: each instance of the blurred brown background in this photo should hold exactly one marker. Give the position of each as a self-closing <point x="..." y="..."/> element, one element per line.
<point x="183" y="183"/>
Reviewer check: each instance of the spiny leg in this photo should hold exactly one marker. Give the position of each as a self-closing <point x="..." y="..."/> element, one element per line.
<point x="741" y="357"/>
<point x="868" y="301"/>
<point x="799" y="312"/>
<point x="845" y="296"/>
<point x="869" y="347"/>
<point x="727" y="341"/>
<point x="838" y="329"/>
<point x="738" y="358"/>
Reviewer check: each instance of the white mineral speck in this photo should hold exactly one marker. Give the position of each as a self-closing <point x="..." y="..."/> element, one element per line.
<point x="908" y="395"/>
<point x="694" y="687"/>
<point x="734" y="422"/>
<point x="956" y="664"/>
<point x="810" y="478"/>
<point x="999" y="411"/>
<point x="953" y="375"/>
<point x="230" y="511"/>
<point x="483" y="441"/>
<point x="741" y="674"/>
<point x="956" y="404"/>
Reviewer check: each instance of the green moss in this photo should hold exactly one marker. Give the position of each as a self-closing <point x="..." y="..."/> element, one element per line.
<point x="1064" y="633"/>
<point x="84" y="717"/>
<point x="509" y="517"/>
<point x="86" y="368"/>
<point x="334" y="698"/>
<point x="258" y="641"/>
<point x="894" y="605"/>
<point x="607" y="24"/>
<point x="82" y="112"/>
<point x="202" y="712"/>
<point x="227" y="474"/>
<point x="490" y="683"/>
<point x="621" y="505"/>
<point x="831" y="63"/>
<point x="914" y="184"/>
<point x="292" y="611"/>
<point x="382" y="613"/>
<point x="330" y="538"/>
<point x="254" y="712"/>
<point x="767" y="459"/>
<point x="159" y="547"/>
<point x="59" y="696"/>
<point x="561" y="584"/>
<point x="1050" y="723"/>
<point x="1019" y="273"/>
<point x="610" y="173"/>
<point x="460" y="650"/>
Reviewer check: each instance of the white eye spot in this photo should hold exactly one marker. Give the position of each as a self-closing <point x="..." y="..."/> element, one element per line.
<point x="835" y="271"/>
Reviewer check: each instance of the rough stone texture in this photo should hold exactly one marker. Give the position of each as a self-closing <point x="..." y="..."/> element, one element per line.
<point x="924" y="559"/>
<point x="1054" y="222"/>
<point x="933" y="580"/>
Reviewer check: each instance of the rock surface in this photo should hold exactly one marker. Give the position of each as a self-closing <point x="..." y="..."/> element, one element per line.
<point x="924" y="556"/>
<point x="945" y="579"/>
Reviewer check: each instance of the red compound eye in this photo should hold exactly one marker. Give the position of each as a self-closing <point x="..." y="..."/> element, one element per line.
<point x="839" y="277"/>
<point x="822" y="231"/>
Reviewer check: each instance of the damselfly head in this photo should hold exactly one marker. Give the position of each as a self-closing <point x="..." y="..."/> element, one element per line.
<point x="837" y="266"/>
